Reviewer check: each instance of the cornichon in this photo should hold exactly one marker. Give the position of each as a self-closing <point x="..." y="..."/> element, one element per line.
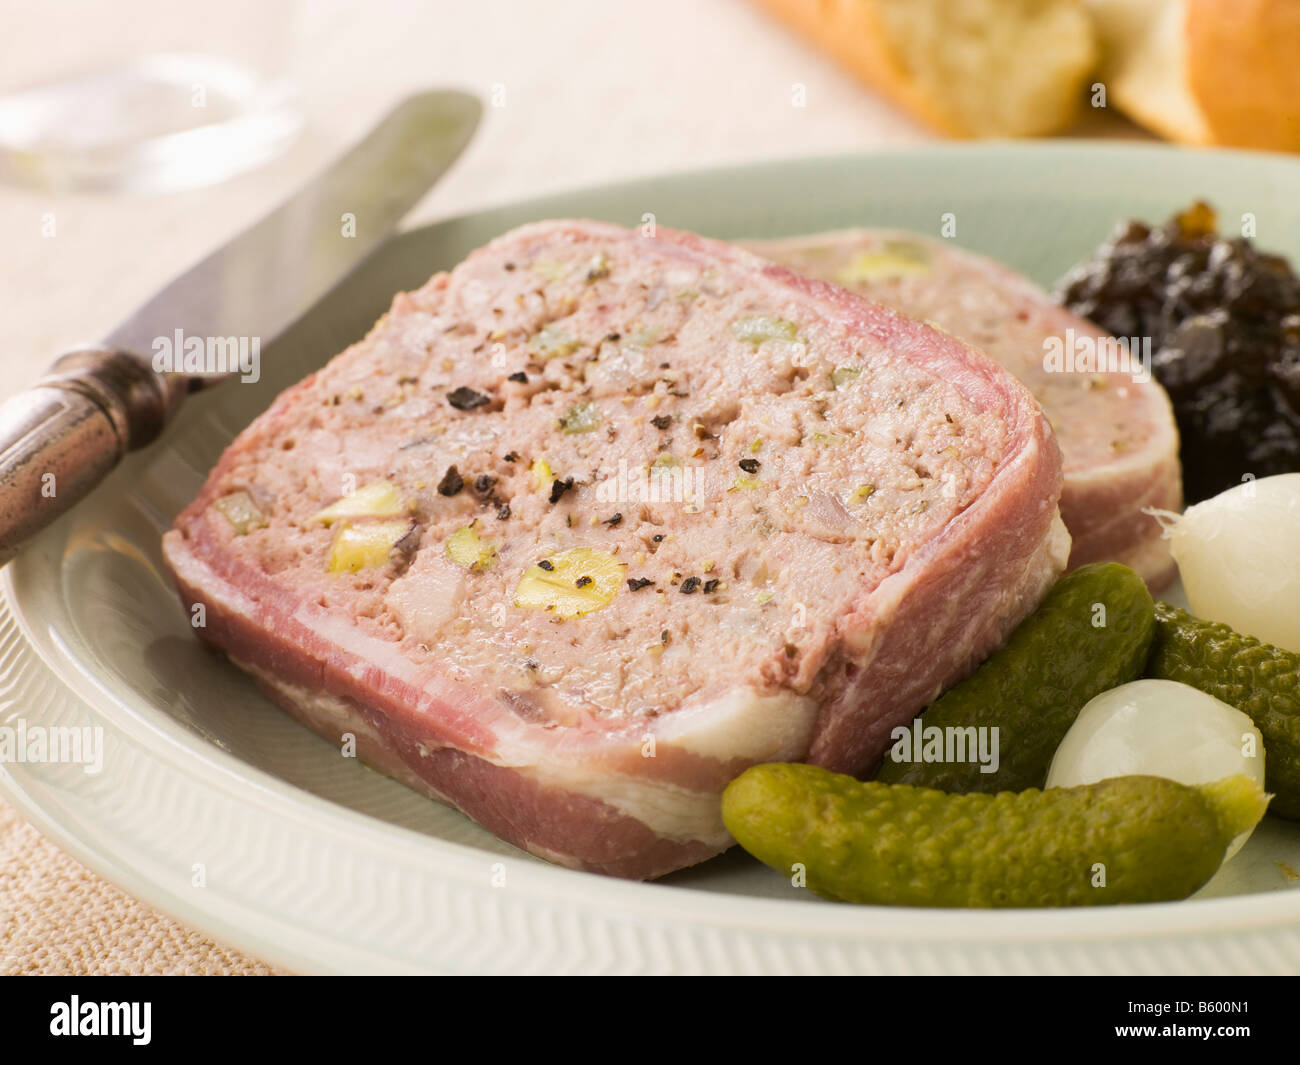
<point x="1090" y="634"/>
<point x="1260" y="680"/>
<point x="1126" y="839"/>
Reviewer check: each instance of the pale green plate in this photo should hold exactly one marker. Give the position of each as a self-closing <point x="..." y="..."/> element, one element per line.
<point x="216" y="808"/>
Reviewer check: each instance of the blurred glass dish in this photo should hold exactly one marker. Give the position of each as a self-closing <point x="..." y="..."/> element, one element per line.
<point x="137" y="107"/>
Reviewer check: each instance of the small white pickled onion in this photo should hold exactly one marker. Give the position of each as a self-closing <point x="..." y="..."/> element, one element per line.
<point x="1239" y="556"/>
<point x="1159" y="728"/>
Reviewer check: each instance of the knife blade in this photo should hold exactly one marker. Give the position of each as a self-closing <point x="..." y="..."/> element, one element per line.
<point x="61" y="437"/>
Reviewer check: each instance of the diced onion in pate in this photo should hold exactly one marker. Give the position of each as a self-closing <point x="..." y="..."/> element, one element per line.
<point x="572" y="583"/>
<point x="365" y="544"/>
<point x="378" y="499"/>
<point x="243" y="514"/>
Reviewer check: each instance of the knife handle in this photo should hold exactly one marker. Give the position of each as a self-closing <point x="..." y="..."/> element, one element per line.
<point x="61" y="437"/>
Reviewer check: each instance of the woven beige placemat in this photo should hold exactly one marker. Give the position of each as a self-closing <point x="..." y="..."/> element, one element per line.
<point x="59" y="918"/>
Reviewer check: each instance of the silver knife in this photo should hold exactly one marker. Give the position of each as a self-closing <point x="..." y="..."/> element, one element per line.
<point x="61" y="437"/>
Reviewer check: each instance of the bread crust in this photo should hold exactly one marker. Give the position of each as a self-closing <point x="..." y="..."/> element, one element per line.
<point x="1206" y="72"/>
<point x="997" y="69"/>
<point x="1243" y="71"/>
<point x="852" y="33"/>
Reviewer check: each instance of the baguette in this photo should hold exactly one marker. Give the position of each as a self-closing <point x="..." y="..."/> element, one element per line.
<point x="969" y="68"/>
<point x="1205" y="72"/>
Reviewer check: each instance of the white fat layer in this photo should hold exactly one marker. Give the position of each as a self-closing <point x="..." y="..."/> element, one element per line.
<point x="367" y="651"/>
<point x="332" y="718"/>
<point x="742" y="723"/>
<point x="668" y="810"/>
<point x="1058" y="544"/>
